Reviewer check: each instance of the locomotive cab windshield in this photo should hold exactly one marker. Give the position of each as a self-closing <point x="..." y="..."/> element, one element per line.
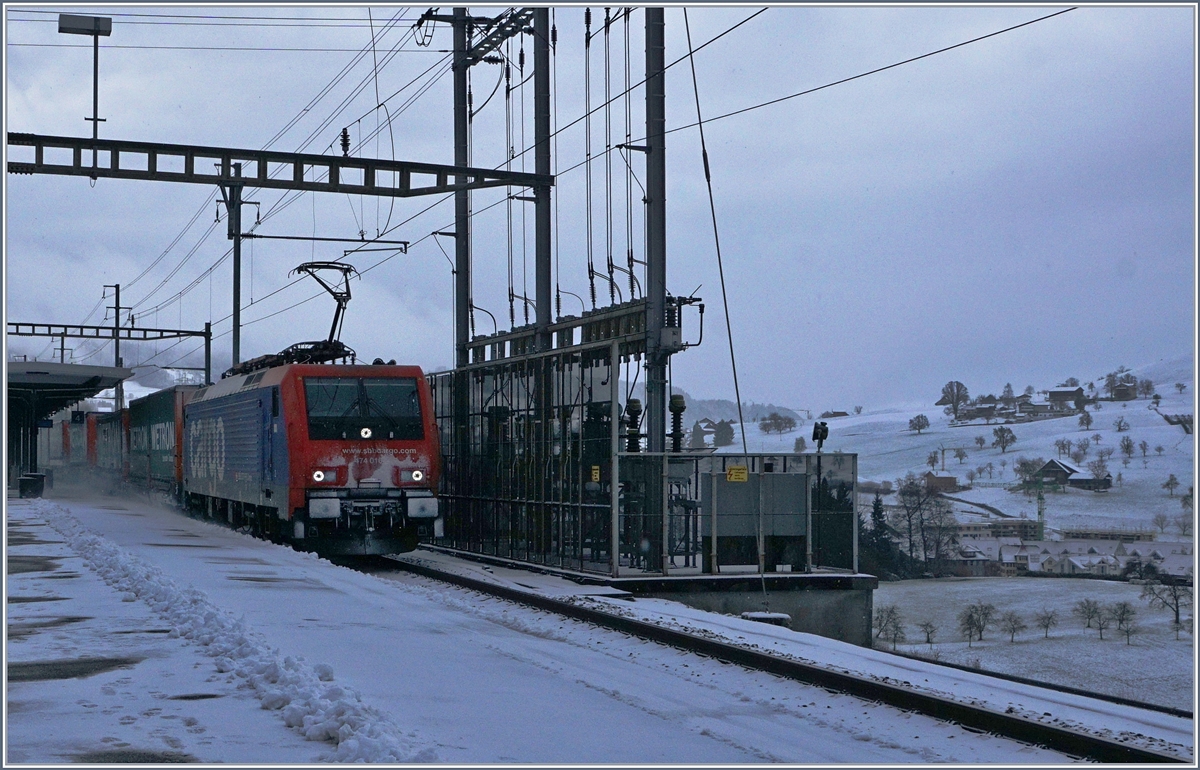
<point x="363" y="408"/>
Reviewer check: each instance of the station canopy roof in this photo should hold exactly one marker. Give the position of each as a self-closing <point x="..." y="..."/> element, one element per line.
<point x="44" y="388"/>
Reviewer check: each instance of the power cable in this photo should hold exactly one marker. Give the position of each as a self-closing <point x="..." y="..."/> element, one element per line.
<point x="872" y="72"/>
<point x="206" y="16"/>
<point x="712" y="207"/>
<point x="257" y="49"/>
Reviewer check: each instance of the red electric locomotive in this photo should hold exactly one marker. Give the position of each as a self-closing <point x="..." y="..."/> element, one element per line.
<point x="337" y="459"/>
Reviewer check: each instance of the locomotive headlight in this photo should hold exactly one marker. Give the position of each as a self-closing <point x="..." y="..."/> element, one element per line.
<point x="318" y="475"/>
<point x="418" y="475"/>
<point x="365" y="433"/>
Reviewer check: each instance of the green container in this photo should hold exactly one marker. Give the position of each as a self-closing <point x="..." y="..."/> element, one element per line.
<point x="156" y="437"/>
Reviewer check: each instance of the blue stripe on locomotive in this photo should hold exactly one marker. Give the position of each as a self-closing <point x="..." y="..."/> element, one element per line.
<point x="236" y="449"/>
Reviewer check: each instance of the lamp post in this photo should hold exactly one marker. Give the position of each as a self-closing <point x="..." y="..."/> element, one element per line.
<point x="95" y="26"/>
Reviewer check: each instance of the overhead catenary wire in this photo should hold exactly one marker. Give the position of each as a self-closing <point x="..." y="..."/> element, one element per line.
<point x="590" y="110"/>
<point x="712" y="207"/>
<point x="250" y="48"/>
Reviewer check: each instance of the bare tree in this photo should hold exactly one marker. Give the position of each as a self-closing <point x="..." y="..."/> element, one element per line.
<point x="913" y="498"/>
<point x="1130" y="629"/>
<point x="1013" y="624"/>
<point x="1180" y="387"/>
<point x="918" y="423"/>
<point x="968" y="624"/>
<point x="1144" y="446"/>
<point x="1004" y="438"/>
<point x="1087" y="610"/>
<point x="939" y="531"/>
<point x="932" y="460"/>
<point x="1046" y="620"/>
<point x="889" y="624"/>
<point x="980" y="441"/>
<point x="1128" y="447"/>
<point x="1170" y="484"/>
<point x="1121" y="424"/>
<point x="1103" y="621"/>
<point x="1146" y="387"/>
<point x="1122" y="613"/>
<point x="929" y="629"/>
<point x="1169" y="593"/>
<point x="1186" y="500"/>
<point x="985" y="614"/>
<point x="858" y="410"/>
<point x="1098" y="469"/>
<point x="1085" y="420"/>
<point x="971" y="474"/>
<point x="1161" y="520"/>
<point x="960" y="454"/>
<point x="954" y="395"/>
<point x="1158" y="450"/>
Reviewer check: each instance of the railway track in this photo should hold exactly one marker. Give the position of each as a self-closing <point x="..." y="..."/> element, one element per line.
<point x="1068" y="741"/>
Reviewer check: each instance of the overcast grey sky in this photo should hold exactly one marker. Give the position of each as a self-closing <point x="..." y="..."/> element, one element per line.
<point x="1020" y="209"/>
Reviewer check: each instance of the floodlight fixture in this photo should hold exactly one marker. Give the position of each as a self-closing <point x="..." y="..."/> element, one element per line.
<point x="71" y="24"/>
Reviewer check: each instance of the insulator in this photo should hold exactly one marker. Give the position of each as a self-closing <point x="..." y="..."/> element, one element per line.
<point x="521" y="59"/>
<point x="587" y="18"/>
<point x="553" y="36"/>
<point x="345" y="142"/>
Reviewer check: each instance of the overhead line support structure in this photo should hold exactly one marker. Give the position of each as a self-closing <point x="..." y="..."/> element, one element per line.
<point x="656" y="243"/>
<point x="299" y="172"/>
<point x="468" y="52"/>
<point x="116" y="333"/>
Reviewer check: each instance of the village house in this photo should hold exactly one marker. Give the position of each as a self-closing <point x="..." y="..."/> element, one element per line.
<point x="940" y="483"/>
<point x="1062" y="473"/>
<point x="1065" y="400"/>
<point x="1124" y="392"/>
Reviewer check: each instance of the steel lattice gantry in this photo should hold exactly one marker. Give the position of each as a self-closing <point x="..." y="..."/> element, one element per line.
<point x="235" y="169"/>
<point x="132" y="333"/>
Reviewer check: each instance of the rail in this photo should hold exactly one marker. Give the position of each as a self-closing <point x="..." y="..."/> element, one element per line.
<point x="1072" y="742"/>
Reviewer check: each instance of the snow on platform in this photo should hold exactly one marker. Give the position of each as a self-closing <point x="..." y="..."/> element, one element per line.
<point x="315" y="661"/>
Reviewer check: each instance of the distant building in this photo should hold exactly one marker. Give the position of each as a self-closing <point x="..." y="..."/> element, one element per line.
<point x="834" y="414"/>
<point x="1124" y="392"/>
<point x="940" y="483"/>
<point x="1065" y="400"/>
<point x="1118" y="535"/>
<point x="1062" y="473"/>
<point x="1055" y="472"/>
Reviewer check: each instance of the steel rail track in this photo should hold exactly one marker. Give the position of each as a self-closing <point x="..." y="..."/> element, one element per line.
<point x="974" y="718"/>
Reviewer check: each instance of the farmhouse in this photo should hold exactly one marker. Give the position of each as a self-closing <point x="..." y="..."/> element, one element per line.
<point x="1063" y="474"/>
<point x="1124" y="392"/>
<point x="1066" y="400"/>
<point x="940" y="483"/>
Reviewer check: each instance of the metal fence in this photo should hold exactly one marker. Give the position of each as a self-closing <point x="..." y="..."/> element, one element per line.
<point x="534" y="483"/>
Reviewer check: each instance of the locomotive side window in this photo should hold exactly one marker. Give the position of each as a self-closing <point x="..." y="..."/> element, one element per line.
<point x="377" y="408"/>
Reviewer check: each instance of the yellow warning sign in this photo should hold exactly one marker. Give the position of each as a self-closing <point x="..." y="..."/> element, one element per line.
<point x="595" y="473"/>
<point x="737" y="473"/>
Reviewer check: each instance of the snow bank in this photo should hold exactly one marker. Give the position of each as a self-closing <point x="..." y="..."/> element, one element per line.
<point x="306" y="697"/>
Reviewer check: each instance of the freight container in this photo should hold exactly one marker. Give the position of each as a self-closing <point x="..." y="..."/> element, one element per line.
<point x="155" y="433"/>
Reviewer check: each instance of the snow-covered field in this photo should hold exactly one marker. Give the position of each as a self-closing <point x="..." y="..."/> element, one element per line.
<point x="887" y="450"/>
<point x="275" y="656"/>
<point x="1151" y="666"/>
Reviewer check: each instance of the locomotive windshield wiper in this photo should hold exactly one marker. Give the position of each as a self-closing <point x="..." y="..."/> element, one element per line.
<point x="372" y="406"/>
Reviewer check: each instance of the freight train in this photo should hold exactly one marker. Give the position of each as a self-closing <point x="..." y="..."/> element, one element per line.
<point x="343" y="460"/>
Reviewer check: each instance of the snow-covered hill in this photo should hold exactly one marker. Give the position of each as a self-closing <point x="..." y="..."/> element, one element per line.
<point x="887" y="450"/>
